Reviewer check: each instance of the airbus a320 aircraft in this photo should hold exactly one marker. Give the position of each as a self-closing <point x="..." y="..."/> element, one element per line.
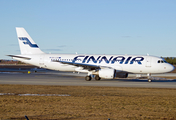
<point x="97" y="66"/>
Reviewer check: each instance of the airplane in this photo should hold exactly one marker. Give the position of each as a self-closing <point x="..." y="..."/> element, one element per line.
<point x="97" y="66"/>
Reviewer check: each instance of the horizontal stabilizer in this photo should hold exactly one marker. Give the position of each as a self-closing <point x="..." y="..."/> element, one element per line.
<point x="26" y="58"/>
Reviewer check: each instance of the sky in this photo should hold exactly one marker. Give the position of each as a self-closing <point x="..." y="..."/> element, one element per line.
<point x="137" y="27"/>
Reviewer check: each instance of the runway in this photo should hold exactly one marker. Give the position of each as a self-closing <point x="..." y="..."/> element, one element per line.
<point x="70" y="79"/>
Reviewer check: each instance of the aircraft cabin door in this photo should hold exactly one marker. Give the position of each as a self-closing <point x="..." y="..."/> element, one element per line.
<point x="148" y="62"/>
<point x="41" y="61"/>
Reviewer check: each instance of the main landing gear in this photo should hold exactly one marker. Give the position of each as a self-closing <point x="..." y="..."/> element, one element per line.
<point x="97" y="78"/>
<point x="89" y="78"/>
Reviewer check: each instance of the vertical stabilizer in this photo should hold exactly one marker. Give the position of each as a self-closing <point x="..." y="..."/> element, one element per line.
<point x="27" y="45"/>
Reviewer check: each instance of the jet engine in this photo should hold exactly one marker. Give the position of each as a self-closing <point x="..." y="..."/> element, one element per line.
<point x="107" y="73"/>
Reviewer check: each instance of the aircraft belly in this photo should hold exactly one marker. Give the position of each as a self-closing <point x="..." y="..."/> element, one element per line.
<point x="61" y="67"/>
<point x="64" y="68"/>
<point x="134" y="69"/>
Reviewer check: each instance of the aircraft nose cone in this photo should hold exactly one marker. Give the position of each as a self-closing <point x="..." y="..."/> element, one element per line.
<point x="170" y="68"/>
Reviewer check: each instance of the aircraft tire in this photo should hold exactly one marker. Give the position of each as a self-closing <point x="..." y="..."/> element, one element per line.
<point x="97" y="78"/>
<point x="88" y="78"/>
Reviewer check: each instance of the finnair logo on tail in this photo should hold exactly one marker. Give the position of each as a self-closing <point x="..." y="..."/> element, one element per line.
<point x="26" y="41"/>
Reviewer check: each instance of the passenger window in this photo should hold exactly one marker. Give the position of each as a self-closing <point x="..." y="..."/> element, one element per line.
<point x="158" y="61"/>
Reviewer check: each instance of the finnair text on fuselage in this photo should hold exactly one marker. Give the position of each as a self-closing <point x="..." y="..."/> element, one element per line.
<point x="100" y="59"/>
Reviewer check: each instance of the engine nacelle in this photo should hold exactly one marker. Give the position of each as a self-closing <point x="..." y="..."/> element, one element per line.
<point x="121" y="75"/>
<point x="106" y="73"/>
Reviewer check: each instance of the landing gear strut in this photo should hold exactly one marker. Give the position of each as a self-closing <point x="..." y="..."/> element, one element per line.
<point x="97" y="78"/>
<point x="149" y="77"/>
<point x="88" y="78"/>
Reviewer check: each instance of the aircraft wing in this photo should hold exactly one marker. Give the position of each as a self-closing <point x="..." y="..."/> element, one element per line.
<point x="85" y="66"/>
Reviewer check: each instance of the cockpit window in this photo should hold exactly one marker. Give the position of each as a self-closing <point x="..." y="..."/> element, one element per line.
<point x="162" y="61"/>
<point x="165" y="61"/>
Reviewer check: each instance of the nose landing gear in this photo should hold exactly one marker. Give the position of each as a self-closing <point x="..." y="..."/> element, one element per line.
<point x="149" y="80"/>
<point x="149" y="77"/>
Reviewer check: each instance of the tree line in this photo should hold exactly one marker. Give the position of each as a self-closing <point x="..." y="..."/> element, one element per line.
<point x="171" y="60"/>
<point x="10" y="62"/>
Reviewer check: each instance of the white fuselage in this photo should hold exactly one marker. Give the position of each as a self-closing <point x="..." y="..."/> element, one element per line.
<point x="127" y="63"/>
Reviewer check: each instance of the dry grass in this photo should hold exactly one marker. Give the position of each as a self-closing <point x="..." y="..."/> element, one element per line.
<point x="87" y="103"/>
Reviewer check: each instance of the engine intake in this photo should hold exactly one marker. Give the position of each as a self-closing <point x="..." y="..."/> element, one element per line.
<point x="107" y="73"/>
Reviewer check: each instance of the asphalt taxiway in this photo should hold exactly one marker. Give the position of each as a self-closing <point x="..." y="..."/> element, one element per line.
<point x="70" y="79"/>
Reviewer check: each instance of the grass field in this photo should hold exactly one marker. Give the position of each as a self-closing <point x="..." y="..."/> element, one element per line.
<point x="87" y="103"/>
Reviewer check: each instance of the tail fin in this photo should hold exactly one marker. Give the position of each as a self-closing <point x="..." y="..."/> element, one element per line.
<point x="27" y="45"/>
